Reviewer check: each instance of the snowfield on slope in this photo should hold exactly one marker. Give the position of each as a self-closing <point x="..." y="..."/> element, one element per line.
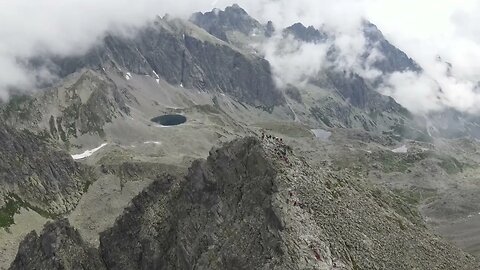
<point x="88" y="152"/>
<point x="402" y="149"/>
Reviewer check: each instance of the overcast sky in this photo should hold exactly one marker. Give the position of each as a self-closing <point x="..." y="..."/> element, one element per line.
<point x="423" y="29"/>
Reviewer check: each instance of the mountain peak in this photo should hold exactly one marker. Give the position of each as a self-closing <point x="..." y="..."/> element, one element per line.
<point x="308" y="34"/>
<point x="395" y="59"/>
<point x="235" y="9"/>
<point x="219" y="22"/>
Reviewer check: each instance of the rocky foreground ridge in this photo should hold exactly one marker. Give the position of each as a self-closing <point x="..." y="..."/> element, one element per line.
<point x="253" y="204"/>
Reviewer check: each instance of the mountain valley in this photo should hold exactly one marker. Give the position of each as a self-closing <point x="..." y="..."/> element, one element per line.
<point x="93" y="178"/>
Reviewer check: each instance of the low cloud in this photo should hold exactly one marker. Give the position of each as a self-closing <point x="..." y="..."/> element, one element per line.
<point x="31" y="28"/>
<point x="424" y="30"/>
<point x="417" y="92"/>
<point x="293" y="61"/>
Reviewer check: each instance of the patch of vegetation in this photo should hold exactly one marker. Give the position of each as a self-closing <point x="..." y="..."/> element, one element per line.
<point x="414" y="197"/>
<point x="13" y="205"/>
<point x="450" y="164"/>
<point x="87" y="186"/>
<point x="392" y="163"/>
<point x="290" y="130"/>
<point x="8" y="212"/>
<point x="319" y="115"/>
<point x="406" y="132"/>
<point x="26" y="205"/>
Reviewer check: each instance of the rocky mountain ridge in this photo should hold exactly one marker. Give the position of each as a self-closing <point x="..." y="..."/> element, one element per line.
<point x="250" y="205"/>
<point x="182" y="54"/>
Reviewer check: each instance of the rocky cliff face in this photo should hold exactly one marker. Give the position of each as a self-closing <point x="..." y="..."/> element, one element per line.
<point x="251" y="206"/>
<point x="84" y="104"/>
<point x="38" y="176"/>
<point x="394" y="59"/>
<point x="184" y="55"/>
<point x="59" y="247"/>
<point x="233" y="18"/>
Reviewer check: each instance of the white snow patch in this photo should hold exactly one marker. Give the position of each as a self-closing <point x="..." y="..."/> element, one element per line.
<point x="181" y="85"/>
<point x="128" y="76"/>
<point x="158" y="81"/>
<point x="103" y="69"/>
<point x="321" y="134"/>
<point x="88" y="152"/>
<point x="152" y="142"/>
<point x="161" y="126"/>
<point x="402" y="149"/>
<point x="156" y="75"/>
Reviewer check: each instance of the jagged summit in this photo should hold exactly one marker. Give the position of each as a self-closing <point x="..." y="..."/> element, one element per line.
<point x="233" y="18"/>
<point x="308" y="34"/>
<point x="254" y="204"/>
<point x="393" y="58"/>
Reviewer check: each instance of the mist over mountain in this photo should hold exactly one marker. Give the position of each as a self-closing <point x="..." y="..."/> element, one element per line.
<point x="348" y="29"/>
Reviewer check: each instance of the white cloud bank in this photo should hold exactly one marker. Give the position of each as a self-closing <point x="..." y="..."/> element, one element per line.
<point x="423" y="29"/>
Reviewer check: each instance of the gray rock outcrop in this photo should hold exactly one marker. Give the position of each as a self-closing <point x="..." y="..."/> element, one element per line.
<point x="38" y="175"/>
<point x="250" y="206"/>
<point x="58" y="247"/>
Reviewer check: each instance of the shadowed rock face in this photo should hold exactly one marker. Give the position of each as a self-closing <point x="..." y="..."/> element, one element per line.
<point x="36" y="174"/>
<point x="226" y="200"/>
<point x="247" y="207"/>
<point x="59" y="247"/>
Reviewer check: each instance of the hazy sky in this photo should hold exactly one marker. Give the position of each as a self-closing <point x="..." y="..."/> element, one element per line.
<point x="423" y="29"/>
